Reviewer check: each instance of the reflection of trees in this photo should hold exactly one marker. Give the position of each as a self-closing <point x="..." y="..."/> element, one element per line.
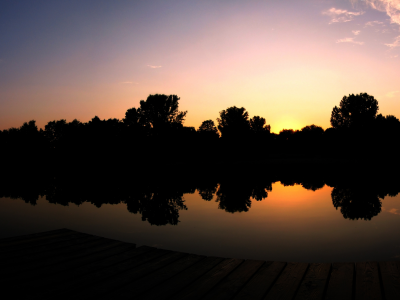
<point x="356" y="203"/>
<point x="314" y="184"/>
<point x="159" y="197"/>
<point x="158" y="207"/>
<point x="207" y="191"/>
<point x="234" y="195"/>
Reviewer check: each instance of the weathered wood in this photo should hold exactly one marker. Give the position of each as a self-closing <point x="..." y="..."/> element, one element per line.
<point x="33" y="241"/>
<point x="182" y="280"/>
<point x="367" y="281"/>
<point x="340" y="285"/>
<point x="231" y="284"/>
<point x="55" y="276"/>
<point x="102" y="287"/>
<point x="76" y="285"/>
<point x="261" y="282"/>
<point x="68" y="264"/>
<point x="30" y="237"/>
<point x="314" y="283"/>
<point x="145" y="283"/>
<point x="85" y="270"/>
<point x="288" y="282"/>
<point x="73" y="251"/>
<point x="390" y="280"/>
<point x="41" y="248"/>
<point x="205" y="283"/>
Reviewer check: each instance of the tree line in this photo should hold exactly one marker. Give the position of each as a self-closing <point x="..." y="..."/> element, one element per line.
<point x="154" y="133"/>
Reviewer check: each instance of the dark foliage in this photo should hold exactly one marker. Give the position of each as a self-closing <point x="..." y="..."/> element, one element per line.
<point x="355" y="112"/>
<point x="159" y="195"/>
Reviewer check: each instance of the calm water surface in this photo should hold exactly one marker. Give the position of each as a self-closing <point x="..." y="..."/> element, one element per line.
<point x="286" y="223"/>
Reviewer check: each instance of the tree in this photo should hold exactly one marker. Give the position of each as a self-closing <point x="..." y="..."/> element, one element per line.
<point x="132" y="118"/>
<point x="234" y="122"/>
<point x="257" y="125"/>
<point x="355" y="112"/>
<point x="160" y="112"/>
<point x="208" y="126"/>
<point x="208" y="129"/>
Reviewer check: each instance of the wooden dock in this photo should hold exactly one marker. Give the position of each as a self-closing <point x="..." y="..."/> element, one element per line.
<point x="65" y="264"/>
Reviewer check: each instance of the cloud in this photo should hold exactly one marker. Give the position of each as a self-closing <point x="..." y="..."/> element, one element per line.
<point x="341" y="15"/>
<point x="154" y="67"/>
<point x="349" y="40"/>
<point x="356" y="32"/>
<point x="373" y="23"/>
<point x="391" y="7"/>
<point x="394" y="211"/>
<point x="395" y="44"/>
<point x="391" y="94"/>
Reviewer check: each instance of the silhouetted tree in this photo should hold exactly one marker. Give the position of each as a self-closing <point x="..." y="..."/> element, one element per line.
<point x="355" y="112"/>
<point x="207" y="137"/>
<point x="312" y="131"/>
<point x="132" y="119"/>
<point x="160" y="112"/>
<point x="54" y="132"/>
<point x="234" y="122"/>
<point x="209" y="128"/>
<point x="258" y="125"/>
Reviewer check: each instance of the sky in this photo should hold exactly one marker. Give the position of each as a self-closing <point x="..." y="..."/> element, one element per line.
<point x="288" y="61"/>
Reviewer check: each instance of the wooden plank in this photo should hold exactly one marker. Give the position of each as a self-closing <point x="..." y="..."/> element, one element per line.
<point x="390" y="280"/>
<point x="261" y="282"/>
<point x="126" y="275"/>
<point x="74" y="286"/>
<point x="209" y="280"/>
<point x="367" y="281"/>
<point x="40" y="247"/>
<point x="340" y="285"/>
<point x="288" y="282"/>
<point x="58" y="276"/>
<point x="231" y="284"/>
<point x="182" y="280"/>
<point x="314" y="283"/>
<point x="29" y="237"/>
<point x="28" y="259"/>
<point x="31" y="241"/>
<point x="68" y="253"/>
<point x="145" y="283"/>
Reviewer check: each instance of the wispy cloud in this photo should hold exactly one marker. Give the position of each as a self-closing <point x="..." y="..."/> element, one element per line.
<point x="391" y="94"/>
<point x="356" y="32"/>
<point x="391" y="7"/>
<point x="341" y="15"/>
<point x="154" y="67"/>
<point x="395" y="44"/>
<point x="373" y="23"/>
<point x="349" y="40"/>
<point x="394" y="211"/>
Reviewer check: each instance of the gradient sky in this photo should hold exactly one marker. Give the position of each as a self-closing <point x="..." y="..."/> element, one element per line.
<point x="288" y="61"/>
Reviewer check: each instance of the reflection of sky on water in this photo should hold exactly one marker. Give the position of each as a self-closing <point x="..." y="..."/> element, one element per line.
<point x="291" y="224"/>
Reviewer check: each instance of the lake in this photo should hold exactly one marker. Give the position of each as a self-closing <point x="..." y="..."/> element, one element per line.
<point x="302" y="216"/>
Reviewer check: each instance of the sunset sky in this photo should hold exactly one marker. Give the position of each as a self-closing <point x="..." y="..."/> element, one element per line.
<point x="288" y="61"/>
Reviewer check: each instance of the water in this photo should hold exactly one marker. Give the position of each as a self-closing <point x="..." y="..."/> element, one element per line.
<point x="236" y="216"/>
